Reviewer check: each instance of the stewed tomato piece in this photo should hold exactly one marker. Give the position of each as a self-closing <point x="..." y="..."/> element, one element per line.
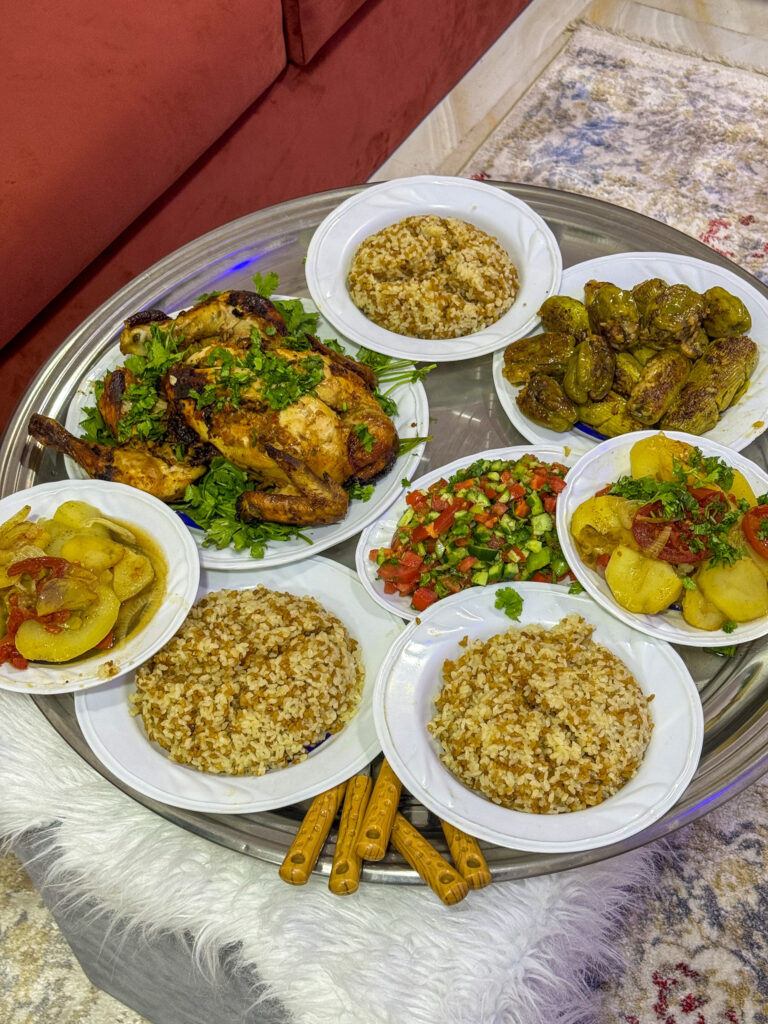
<point x="678" y="540"/>
<point x="755" y="526"/>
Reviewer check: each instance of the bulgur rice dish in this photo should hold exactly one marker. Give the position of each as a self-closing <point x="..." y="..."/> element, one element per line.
<point x="432" y="277"/>
<point x="541" y="720"/>
<point x="251" y="680"/>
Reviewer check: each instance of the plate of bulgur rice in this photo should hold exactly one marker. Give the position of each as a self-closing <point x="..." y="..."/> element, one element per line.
<point x="530" y="718"/>
<point x="433" y="268"/>
<point x="263" y="698"/>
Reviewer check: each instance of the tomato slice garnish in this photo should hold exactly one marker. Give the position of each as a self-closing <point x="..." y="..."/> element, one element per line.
<point x="755" y="526"/>
<point x="681" y="546"/>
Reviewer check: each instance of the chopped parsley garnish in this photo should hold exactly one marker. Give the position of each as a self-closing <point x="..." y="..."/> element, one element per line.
<point x="361" y="492"/>
<point x="92" y="424"/>
<point x="364" y="435"/>
<point x="284" y="384"/>
<point x="724" y="652"/>
<point x="145" y="414"/>
<point x="575" y="588"/>
<point x="675" y="497"/>
<point x="212" y="505"/>
<point x="708" y="524"/>
<point x="688" y="583"/>
<point x="728" y="626"/>
<point x="708" y="468"/>
<point x="510" y="601"/>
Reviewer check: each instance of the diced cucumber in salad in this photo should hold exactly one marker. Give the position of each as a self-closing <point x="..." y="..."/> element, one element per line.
<point x="492" y="521"/>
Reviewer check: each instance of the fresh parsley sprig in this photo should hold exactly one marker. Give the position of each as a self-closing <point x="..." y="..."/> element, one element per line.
<point x="212" y="505"/>
<point x="510" y="602"/>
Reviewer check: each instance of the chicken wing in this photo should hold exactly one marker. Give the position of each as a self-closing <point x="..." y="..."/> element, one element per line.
<point x="150" y="467"/>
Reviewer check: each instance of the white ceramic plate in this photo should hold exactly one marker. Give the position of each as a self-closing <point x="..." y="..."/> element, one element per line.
<point x="604" y="465"/>
<point x="165" y="528"/>
<point x="741" y="423"/>
<point x="523" y="233"/>
<point x="411" y="677"/>
<point x="412" y="420"/>
<point x="119" y="741"/>
<point x="379" y="534"/>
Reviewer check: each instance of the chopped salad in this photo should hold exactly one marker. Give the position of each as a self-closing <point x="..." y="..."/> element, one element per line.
<point x="492" y="521"/>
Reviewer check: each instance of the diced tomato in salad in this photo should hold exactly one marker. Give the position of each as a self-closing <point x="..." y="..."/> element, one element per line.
<point x="492" y="521"/>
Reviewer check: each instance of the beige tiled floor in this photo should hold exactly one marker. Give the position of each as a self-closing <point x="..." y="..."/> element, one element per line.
<point x="730" y="31"/>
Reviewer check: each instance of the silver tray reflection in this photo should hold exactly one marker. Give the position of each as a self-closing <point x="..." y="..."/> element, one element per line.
<point x="466" y="417"/>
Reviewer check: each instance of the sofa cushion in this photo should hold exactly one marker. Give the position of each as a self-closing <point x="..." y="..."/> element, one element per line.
<point x="105" y="105"/>
<point x="311" y="23"/>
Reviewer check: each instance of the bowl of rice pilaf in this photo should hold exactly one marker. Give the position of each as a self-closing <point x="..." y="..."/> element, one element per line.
<point x="252" y="682"/>
<point x="433" y="268"/>
<point x="541" y="719"/>
<point x="530" y="718"/>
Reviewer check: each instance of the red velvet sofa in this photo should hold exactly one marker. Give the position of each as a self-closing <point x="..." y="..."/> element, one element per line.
<point x="130" y="129"/>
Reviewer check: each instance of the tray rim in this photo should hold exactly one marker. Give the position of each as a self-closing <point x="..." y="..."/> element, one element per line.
<point x="722" y="774"/>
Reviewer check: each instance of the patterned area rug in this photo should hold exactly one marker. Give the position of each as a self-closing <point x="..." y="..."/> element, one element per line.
<point x="682" y="140"/>
<point x="673" y="136"/>
<point x="41" y="982"/>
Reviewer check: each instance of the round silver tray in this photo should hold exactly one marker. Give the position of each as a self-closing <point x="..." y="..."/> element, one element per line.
<point x="466" y="417"/>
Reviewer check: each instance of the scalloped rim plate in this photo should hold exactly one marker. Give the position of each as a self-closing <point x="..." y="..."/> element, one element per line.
<point x="741" y="423"/>
<point x="379" y="534"/>
<point x="165" y="528"/>
<point x="410" y="678"/>
<point x="605" y="464"/>
<point x="412" y="408"/>
<point x="527" y="238"/>
<point x="119" y="741"/>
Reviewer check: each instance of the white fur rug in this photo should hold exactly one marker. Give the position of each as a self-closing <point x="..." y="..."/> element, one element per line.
<point x="517" y="952"/>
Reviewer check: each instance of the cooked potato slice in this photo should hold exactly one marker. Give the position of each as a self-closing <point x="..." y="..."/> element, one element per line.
<point x="78" y="515"/>
<point x="600" y="523"/>
<point x="741" y="489"/>
<point x="15" y="520"/>
<point x="655" y="456"/>
<point x="34" y="642"/>
<point x="68" y="593"/>
<point x="640" y="584"/>
<point x="699" y="612"/>
<point x="94" y="552"/>
<point x="760" y="562"/>
<point x="739" y="591"/>
<point x="131" y="574"/>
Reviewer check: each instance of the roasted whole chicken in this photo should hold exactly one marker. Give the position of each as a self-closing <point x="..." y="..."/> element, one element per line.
<point x="628" y="359"/>
<point x="302" y="424"/>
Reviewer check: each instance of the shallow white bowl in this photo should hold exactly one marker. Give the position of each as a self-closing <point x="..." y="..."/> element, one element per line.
<point x="380" y="533"/>
<point x="174" y="541"/>
<point x="528" y="240"/>
<point x="605" y="464"/>
<point x="741" y="423"/>
<point x="120" y="742"/>
<point x="411" y="678"/>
